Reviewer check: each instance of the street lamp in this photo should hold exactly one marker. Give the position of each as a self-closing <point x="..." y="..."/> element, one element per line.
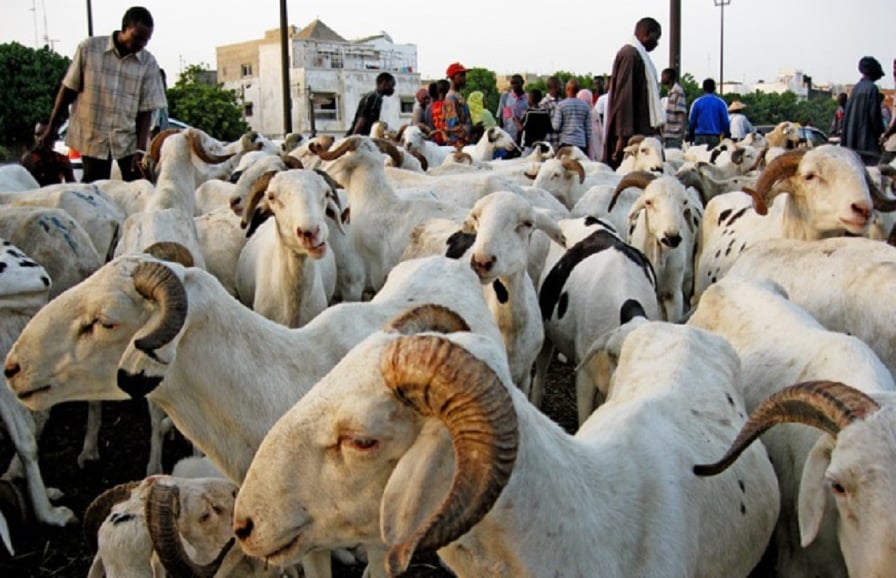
<point x="721" y="4"/>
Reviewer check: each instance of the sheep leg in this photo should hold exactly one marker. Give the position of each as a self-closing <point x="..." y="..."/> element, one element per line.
<point x="156" y="438"/>
<point x="90" y="450"/>
<point x="21" y="428"/>
<point x="317" y="565"/>
<point x="376" y="563"/>
<point x="536" y="392"/>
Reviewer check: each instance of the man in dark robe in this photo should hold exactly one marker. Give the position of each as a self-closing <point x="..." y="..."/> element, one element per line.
<point x="630" y="95"/>
<point x="862" y="123"/>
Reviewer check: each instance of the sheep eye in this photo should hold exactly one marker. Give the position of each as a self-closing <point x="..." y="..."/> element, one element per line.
<point x="204" y="517"/>
<point x="270" y="196"/>
<point x="810" y="176"/>
<point x="838" y="489"/>
<point x="107" y="324"/>
<point x="527" y="224"/>
<point x="360" y="444"/>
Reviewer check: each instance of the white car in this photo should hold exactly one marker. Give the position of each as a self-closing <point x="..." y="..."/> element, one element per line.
<point x="75" y="157"/>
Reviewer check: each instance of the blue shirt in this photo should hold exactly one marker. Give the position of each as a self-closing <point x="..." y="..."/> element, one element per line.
<point x="709" y="115"/>
<point x="572" y="119"/>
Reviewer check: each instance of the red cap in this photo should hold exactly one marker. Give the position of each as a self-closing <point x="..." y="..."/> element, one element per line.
<point x="455" y="68"/>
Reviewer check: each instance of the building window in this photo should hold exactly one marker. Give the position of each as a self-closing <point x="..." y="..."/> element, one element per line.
<point x="407" y="104"/>
<point x="326" y="105"/>
<point x="247" y="109"/>
<point x="245" y="70"/>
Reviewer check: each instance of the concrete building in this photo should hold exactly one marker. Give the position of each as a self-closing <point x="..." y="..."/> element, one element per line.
<point x="328" y="76"/>
<point x="793" y="80"/>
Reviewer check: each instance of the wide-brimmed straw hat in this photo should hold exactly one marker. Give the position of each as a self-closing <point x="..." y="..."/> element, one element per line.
<point x="736" y="106"/>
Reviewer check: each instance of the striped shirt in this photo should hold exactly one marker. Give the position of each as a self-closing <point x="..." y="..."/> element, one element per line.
<point x="572" y="119"/>
<point x="676" y="113"/>
<point x="111" y="91"/>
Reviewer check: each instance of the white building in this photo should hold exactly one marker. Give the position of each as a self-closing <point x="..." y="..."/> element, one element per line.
<point x="328" y="76"/>
<point x="793" y="80"/>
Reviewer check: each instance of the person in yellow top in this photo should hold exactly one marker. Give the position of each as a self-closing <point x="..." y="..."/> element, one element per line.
<point x="478" y="112"/>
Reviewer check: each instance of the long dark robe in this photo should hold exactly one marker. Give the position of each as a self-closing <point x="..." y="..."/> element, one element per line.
<point x="863" y="124"/>
<point x="629" y="112"/>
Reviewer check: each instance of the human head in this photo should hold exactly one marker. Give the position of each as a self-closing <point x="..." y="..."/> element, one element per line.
<point x="585" y="96"/>
<point x="516" y="84"/>
<point x="385" y="84"/>
<point x="668" y="77"/>
<point x="442" y="88"/>
<point x="553" y="86"/>
<point x="709" y="86"/>
<point x="136" y="29"/>
<point x="736" y="106"/>
<point x="871" y="68"/>
<point x="457" y="74"/>
<point x="572" y="87"/>
<point x="39" y="128"/>
<point x="648" y="32"/>
<point x="841" y="99"/>
<point x="535" y="97"/>
<point x="422" y="96"/>
<point x="597" y="85"/>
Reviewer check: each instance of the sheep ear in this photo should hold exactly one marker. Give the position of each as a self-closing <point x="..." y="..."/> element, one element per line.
<point x="550" y="227"/>
<point x="418" y="484"/>
<point x="813" y="490"/>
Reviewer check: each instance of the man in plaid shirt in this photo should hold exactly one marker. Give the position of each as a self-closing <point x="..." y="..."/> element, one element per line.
<point x="676" y="110"/>
<point x="114" y="85"/>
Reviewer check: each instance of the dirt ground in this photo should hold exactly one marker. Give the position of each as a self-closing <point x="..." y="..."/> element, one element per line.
<point x="124" y="451"/>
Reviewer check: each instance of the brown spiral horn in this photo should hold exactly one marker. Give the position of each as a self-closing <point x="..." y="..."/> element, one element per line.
<point x="347" y="145"/>
<point x="782" y="168"/>
<point x="158" y="283"/>
<point x="439" y="378"/>
<point x="428" y="317"/>
<point x="170" y="251"/>
<point x="196" y="146"/>
<point x="638" y="179"/>
<point x="827" y="405"/>
<point x="100" y="508"/>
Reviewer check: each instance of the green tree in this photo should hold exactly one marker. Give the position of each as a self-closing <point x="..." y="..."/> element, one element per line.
<point x="485" y="81"/>
<point x="209" y="107"/>
<point x="31" y="79"/>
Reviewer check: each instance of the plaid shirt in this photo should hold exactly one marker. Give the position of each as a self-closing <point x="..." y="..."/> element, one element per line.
<point x="111" y="91"/>
<point x="676" y="113"/>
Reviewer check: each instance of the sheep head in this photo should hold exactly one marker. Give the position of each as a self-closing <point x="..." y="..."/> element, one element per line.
<point x="853" y="461"/>
<point x="389" y="442"/>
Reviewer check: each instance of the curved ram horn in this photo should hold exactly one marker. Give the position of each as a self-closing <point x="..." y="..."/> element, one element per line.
<point x="638" y="179"/>
<point x="347" y="145"/>
<point x="462" y="158"/>
<point x="158" y="283"/>
<point x="253" y="199"/>
<point x="827" y="405"/>
<point x="390" y="149"/>
<point x="196" y="146"/>
<point x="100" y="508"/>
<point x="635" y="140"/>
<point x="782" y="168"/>
<point x="162" y="511"/>
<point x="576" y="167"/>
<point x="428" y="317"/>
<point x="248" y="142"/>
<point x="170" y="251"/>
<point x="881" y="202"/>
<point x="154" y="150"/>
<point x="400" y="134"/>
<point x="439" y="378"/>
<point x="424" y="164"/>
<point x="291" y="162"/>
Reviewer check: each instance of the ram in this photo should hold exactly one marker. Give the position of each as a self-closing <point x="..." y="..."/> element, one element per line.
<point x="780" y="344"/>
<point x="828" y="194"/>
<point x="223" y="373"/>
<point x="418" y="441"/>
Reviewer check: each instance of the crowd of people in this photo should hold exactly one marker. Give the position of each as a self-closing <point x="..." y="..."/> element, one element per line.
<point x="114" y="86"/>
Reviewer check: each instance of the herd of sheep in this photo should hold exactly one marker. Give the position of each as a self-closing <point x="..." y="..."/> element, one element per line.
<point x="354" y="335"/>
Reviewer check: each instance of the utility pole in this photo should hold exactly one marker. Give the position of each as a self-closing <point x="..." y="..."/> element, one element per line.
<point x="675" y="35"/>
<point x="284" y="63"/>
<point x="89" y="19"/>
<point x="721" y="4"/>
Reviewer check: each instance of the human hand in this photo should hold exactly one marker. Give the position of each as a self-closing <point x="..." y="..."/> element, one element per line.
<point x="46" y="139"/>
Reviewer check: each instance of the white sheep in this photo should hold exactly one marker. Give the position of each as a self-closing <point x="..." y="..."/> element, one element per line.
<point x="495" y="240"/>
<point x="828" y="194"/>
<point x="584" y="287"/>
<point x="285" y="271"/>
<point x="567" y="180"/>
<point x="381" y="221"/>
<point x="849" y="468"/>
<point x="414" y="139"/>
<point x="515" y="495"/>
<point x="643" y="154"/>
<point x="780" y="344"/>
<point x="174" y="335"/>
<point x="841" y="282"/>
<point x="15" y="177"/>
<point x="24" y="288"/>
<point x="663" y="224"/>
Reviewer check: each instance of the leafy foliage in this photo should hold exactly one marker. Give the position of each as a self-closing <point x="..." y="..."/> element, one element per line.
<point x="209" y="107"/>
<point x="31" y="79"/>
<point x="775" y="108"/>
<point x="483" y="80"/>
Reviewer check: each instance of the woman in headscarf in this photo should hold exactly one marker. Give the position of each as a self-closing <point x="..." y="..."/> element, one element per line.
<point x="596" y="147"/>
<point x="478" y="112"/>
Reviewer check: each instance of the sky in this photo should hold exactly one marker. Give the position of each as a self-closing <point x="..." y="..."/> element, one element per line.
<point x="823" y="38"/>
